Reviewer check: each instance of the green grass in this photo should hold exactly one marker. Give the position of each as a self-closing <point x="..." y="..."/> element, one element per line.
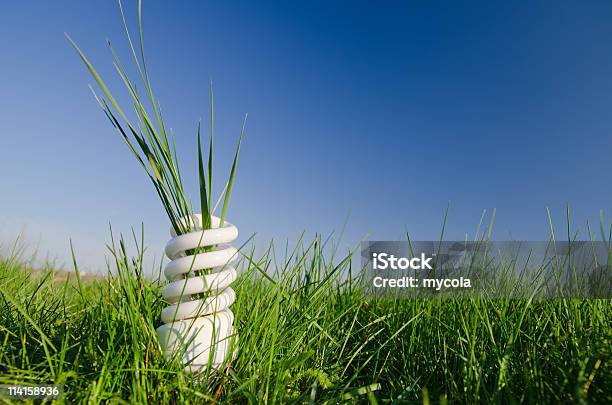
<point x="306" y="333"/>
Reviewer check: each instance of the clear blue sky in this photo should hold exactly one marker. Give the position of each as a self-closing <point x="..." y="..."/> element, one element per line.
<point x="382" y="111"/>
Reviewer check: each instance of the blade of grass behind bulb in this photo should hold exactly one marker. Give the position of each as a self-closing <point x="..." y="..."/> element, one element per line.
<point x="178" y="170"/>
<point x="214" y="209"/>
<point x="210" y="147"/>
<point x="203" y="195"/>
<point x="230" y="182"/>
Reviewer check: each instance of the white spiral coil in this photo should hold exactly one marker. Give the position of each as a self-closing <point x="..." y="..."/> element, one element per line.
<point x="199" y="327"/>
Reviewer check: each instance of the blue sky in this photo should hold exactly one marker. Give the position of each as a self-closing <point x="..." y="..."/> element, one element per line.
<point x="379" y="113"/>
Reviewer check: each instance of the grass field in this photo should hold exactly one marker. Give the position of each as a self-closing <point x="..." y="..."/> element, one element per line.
<point x="306" y="333"/>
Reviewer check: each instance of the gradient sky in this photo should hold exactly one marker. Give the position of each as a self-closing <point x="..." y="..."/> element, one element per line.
<point x="379" y="112"/>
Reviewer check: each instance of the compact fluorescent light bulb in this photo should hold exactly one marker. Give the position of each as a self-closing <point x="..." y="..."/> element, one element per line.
<point x="198" y="324"/>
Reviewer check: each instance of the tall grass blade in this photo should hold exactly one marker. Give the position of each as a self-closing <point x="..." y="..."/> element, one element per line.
<point x="210" y="147"/>
<point x="206" y="222"/>
<point x="230" y="182"/>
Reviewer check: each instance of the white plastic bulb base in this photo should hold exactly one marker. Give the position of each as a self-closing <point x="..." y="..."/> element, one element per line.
<point x="198" y="324"/>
